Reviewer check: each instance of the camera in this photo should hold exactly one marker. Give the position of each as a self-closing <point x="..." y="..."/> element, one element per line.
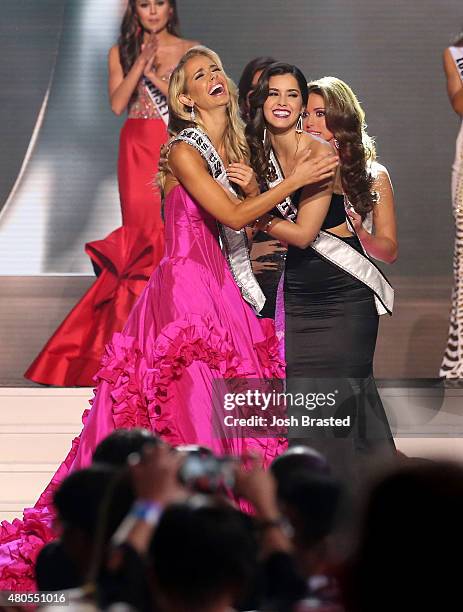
<point x="203" y="472"/>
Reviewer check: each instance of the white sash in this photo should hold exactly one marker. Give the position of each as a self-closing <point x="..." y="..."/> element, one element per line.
<point x="158" y="99"/>
<point x="342" y="255"/>
<point x="234" y="243"/>
<point x="457" y="54"/>
<point x="286" y="208"/>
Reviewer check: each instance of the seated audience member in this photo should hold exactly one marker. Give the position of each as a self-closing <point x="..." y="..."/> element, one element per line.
<point x="203" y="555"/>
<point x="65" y="563"/>
<point x="409" y="540"/>
<point x="311" y="500"/>
<point x="121" y="443"/>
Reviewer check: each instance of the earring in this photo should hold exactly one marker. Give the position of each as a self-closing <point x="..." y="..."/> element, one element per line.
<point x="299" y="125"/>
<point x="265" y="135"/>
<point x="192" y="113"/>
<point x="336" y="143"/>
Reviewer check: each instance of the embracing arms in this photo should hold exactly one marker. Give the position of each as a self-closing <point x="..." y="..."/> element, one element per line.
<point x="313" y="207"/>
<point x="189" y="168"/>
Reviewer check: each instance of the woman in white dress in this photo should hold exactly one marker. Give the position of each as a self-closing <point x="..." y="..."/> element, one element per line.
<point x="452" y="363"/>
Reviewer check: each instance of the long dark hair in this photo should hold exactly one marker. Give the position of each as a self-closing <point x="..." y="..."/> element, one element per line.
<point x="245" y="82"/>
<point x="345" y="119"/>
<point x="260" y="151"/>
<point x="131" y="36"/>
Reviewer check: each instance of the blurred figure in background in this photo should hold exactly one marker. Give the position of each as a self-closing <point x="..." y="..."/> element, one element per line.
<point x="140" y="66"/>
<point x="410" y="532"/>
<point x="452" y="363"/>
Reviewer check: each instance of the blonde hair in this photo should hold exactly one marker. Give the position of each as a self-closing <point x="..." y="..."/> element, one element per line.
<point x="235" y="143"/>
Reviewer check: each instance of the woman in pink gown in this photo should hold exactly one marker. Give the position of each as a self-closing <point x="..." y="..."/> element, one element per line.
<point x="159" y="372"/>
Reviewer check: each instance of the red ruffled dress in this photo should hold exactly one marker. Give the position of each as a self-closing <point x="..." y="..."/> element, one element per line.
<point x="123" y="260"/>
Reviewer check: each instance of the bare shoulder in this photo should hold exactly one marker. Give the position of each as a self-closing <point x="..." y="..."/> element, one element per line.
<point x="449" y="64"/>
<point x="183" y="154"/>
<point x="189" y="44"/>
<point x="316" y="144"/>
<point x="113" y="53"/>
<point x="381" y="173"/>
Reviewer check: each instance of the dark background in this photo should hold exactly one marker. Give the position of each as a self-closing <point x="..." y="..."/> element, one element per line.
<point x="390" y="53"/>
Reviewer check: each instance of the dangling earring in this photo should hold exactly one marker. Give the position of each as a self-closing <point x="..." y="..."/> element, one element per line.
<point x="265" y="135"/>
<point x="299" y="125"/>
<point x="336" y="143"/>
<point x="192" y="113"/>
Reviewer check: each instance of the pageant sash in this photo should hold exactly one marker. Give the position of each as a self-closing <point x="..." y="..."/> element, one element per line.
<point x="158" y="99"/>
<point x="335" y="250"/>
<point x="457" y="54"/>
<point x="234" y="243"/>
<point x="286" y="208"/>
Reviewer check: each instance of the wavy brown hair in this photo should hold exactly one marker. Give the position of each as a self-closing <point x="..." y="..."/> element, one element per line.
<point x="260" y="150"/>
<point x="131" y="34"/>
<point x="234" y="140"/>
<point x="346" y="120"/>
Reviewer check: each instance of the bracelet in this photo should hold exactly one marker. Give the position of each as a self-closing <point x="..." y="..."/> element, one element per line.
<point x="270" y="524"/>
<point x="147" y="511"/>
<point x="266" y="227"/>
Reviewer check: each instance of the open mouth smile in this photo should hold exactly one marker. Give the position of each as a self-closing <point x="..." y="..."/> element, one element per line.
<point x="281" y="113"/>
<point x="216" y="90"/>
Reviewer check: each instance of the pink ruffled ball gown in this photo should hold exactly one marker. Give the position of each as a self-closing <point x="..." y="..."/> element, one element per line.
<point x="189" y="327"/>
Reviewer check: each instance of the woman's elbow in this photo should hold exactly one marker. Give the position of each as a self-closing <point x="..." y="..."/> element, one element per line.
<point x="235" y="224"/>
<point x="391" y="255"/>
<point x="306" y="241"/>
<point x="116" y="109"/>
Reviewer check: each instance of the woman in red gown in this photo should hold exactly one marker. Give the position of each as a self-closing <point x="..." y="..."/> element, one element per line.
<point x="140" y="65"/>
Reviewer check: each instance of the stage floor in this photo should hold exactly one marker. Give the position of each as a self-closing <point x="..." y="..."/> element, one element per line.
<point x="37" y="426"/>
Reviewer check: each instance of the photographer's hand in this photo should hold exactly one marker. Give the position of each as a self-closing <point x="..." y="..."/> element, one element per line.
<point x="154" y="476"/>
<point x="259" y="487"/>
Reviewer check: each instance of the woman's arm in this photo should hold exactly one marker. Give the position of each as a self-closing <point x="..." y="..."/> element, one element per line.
<point x="189" y="168"/>
<point x="381" y="245"/>
<point x="454" y="84"/>
<point x="313" y="208"/>
<point x="121" y="88"/>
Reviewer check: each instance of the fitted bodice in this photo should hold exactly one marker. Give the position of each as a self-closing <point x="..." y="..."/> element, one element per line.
<point x="190" y="231"/>
<point x="142" y="106"/>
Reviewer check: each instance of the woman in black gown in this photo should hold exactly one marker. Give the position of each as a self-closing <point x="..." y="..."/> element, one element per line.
<point x="267" y="254"/>
<point x="333" y="292"/>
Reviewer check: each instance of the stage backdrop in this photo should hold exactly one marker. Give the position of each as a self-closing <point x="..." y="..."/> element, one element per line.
<point x="59" y="139"/>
